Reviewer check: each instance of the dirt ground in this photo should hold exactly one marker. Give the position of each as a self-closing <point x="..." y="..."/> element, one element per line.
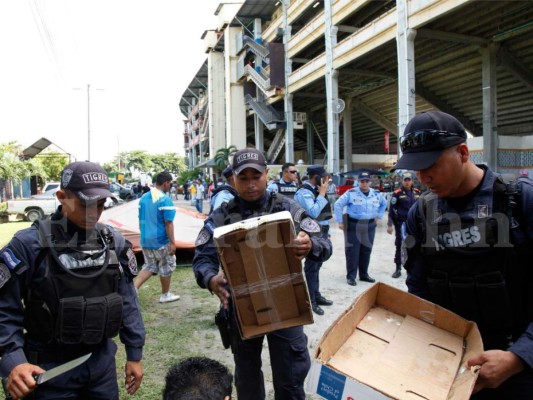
<point x="334" y="287"/>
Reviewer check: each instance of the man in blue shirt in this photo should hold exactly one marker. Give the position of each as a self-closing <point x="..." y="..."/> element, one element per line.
<point x="288" y="184"/>
<point x="312" y="197"/>
<point x="363" y="206"/>
<point x="156" y="220"/>
<point x="469" y="249"/>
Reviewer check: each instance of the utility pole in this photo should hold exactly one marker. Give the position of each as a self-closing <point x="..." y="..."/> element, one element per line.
<point x="88" y="123"/>
<point x="88" y="119"/>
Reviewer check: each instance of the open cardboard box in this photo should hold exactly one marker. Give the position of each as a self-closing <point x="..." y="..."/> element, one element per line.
<point x="268" y="287"/>
<point x="390" y="344"/>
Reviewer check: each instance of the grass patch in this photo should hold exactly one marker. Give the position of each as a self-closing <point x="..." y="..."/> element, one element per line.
<point x="174" y="331"/>
<point x="8" y="229"/>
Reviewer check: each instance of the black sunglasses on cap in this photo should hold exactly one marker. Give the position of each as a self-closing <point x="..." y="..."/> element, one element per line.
<point x="428" y="138"/>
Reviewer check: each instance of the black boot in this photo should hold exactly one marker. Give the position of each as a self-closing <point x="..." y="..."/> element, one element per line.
<point x="398" y="271"/>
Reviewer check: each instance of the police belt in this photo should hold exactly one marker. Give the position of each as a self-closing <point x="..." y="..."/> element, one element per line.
<point x="60" y="354"/>
<point x="361" y="221"/>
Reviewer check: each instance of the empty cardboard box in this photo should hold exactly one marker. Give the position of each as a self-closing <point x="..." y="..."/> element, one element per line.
<point x="268" y="287"/>
<point x="390" y="344"/>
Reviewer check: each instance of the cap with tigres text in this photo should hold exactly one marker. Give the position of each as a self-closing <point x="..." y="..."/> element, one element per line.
<point x="87" y="180"/>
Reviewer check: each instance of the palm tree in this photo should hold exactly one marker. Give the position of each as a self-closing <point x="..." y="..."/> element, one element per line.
<point x="223" y="155"/>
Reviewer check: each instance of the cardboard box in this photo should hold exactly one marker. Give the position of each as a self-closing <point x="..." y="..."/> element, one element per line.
<point x="268" y="287"/>
<point x="390" y="344"/>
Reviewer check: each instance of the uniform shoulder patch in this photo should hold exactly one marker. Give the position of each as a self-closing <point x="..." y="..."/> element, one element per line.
<point x="393" y="200"/>
<point x="10" y="259"/>
<point x="203" y="237"/>
<point x="4" y="275"/>
<point x="298" y="215"/>
<point x="310" y="225"/>
<point x="132" y="262"/>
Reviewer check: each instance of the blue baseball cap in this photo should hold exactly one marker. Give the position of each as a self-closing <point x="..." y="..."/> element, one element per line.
<point x="363" y="176"/>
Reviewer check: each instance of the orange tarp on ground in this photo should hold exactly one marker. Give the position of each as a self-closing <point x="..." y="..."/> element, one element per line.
<point x="125" y="219"/>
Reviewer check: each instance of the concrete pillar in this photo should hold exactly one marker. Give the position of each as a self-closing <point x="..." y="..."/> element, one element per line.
<point x="258" y="125"/>
<point x="310" y="140"/>
<point x="405" y="42"/>
<point x="490" y="109"/>
<point x="347" y="127"/>
<point x="289" y="132"/>
<point x="235" y="109"/>
<point x="332" y="91"/>
<point x="216" y="102"/>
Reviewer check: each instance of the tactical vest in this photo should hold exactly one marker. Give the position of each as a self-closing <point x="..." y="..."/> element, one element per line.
<point x="326" y="213"/>
<point x="476" y="266"/>
<point x="77" y="300"/>
<point x="235" y="211"/>
<point x="286" y="190"/>
<point x="218" y="190"/>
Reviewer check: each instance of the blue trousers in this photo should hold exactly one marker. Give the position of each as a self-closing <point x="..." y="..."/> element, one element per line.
<point x="358" y="242"/>
<point x="312" y="270"/>
<point x="96" y="379"/>
<point x="289" y="359"/>
<point x="199" y="205"/>
<point x="398" y="242"/>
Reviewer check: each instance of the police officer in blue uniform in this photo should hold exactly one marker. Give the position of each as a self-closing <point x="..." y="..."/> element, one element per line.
<point x="401" y="201"/>
<point x="224" y="193"/>
<point x="363" y="206"/>
<point x="66" y="290"/>
<point x="288" y="347"/>
<point x="313" y="198"/>
<point x="288" y="184"/>
<point x="469" y="249"/>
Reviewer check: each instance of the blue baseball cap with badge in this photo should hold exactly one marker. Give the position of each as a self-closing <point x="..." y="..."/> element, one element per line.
<point x="363" y="176"/>
<point x="228" y="171"/>
<point x="317" y="169"/>
<point x="87" y="180"/>
<point x="407" y="175"/>
<point x="425" y="137"/>
<point x="248" y="158"/>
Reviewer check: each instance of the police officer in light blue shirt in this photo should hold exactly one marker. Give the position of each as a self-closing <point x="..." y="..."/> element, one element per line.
<point x="288" y="184"/>
<point x="312" y="196"/>
<point x="224" y="193"/>
<point x="363" y="206"/>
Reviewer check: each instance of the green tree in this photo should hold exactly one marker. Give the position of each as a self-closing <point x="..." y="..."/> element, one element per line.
<point x="189" y="175"/>
<point x="170" y="162"/>
<point x="223" y="155"/>
<point x="51" y="163"/>
<point x="138" y="160"/>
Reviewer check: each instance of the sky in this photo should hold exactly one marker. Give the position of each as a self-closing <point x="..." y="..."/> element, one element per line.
<point x="138" y="56"/>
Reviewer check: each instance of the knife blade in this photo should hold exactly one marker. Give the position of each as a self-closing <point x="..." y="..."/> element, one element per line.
<point x="60" y="369"/>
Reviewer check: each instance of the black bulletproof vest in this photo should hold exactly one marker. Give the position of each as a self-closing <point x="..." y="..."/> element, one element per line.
<point x="474" y="268"/>
<point x="287" y="190"/>
<point x="77" y="300"/>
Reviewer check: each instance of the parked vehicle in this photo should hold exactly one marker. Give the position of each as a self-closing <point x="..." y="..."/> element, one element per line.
<point x="121" y="191"/>
<point x="50" y="186"/>
<point x="36" y="207"/>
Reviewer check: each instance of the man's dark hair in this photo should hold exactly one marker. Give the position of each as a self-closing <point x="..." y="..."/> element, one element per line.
<point x="197" y="378"/>
<point x="285" y="167"/>
<point x="163" y="177"/>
